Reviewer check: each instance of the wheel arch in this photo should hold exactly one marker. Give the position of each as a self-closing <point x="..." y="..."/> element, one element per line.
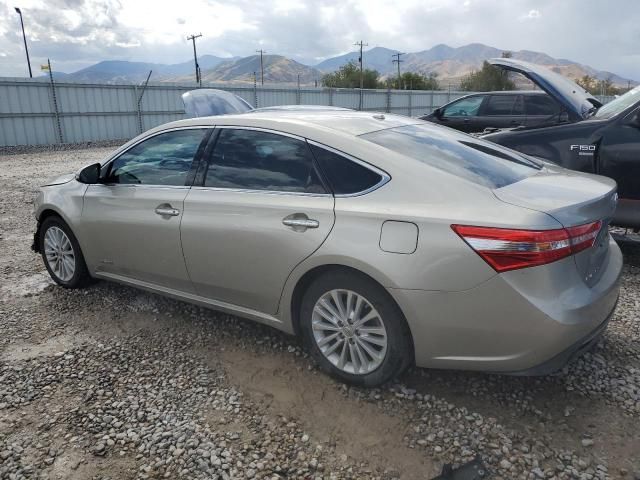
<point x="41" y="217"/>
<point x="310" y="275"/>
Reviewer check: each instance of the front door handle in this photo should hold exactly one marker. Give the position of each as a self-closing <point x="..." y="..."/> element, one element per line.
<point x="167" y="210"/>
<point x="300" y="222"/>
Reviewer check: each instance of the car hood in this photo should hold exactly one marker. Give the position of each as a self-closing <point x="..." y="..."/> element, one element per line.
<point x="66" y="178"/>
<point x="576" y="100"/>
<point x="206" y="102"/>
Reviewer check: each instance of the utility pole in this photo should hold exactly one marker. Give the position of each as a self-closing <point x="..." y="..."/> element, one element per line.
<point x="398" y="61"/>
<point x="361" y="44"/>
<point x="24" y="37"/>
<point x="195" y="58"/>
<point x="261" y="52"/>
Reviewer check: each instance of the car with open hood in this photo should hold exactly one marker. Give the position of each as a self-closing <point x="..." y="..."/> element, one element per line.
<point x="494" y="110"/>
<point x="595" y="138"/>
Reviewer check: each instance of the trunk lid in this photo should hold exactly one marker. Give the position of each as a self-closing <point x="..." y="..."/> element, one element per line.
<point x="576" y="100"/>
<point x="573" y="199"/>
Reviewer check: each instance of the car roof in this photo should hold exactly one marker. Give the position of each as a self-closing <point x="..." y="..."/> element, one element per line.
<point x="511" y="92"/>
<point x="301" y="122"/>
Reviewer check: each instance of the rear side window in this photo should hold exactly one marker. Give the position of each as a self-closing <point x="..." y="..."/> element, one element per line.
<point x="540" y="105"/>
<point x="499" y="105"/>
<point x="345" y="176"/>
<point x="461" y="155"/>
<point x="256" y="160"/>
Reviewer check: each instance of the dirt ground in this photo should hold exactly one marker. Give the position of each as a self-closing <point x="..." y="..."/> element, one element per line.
<point x="112" y="382"/>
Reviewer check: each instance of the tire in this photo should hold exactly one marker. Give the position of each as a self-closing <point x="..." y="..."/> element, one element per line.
<point x="385" y="334"/>
<point x="73" y="273"/>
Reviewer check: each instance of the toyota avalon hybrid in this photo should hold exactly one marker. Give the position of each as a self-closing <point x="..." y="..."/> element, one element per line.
<point x="381" y="240"/>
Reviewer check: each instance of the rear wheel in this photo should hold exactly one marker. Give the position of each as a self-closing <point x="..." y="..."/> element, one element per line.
<point x="354" y="329"/>
<point x="62" y="255"/>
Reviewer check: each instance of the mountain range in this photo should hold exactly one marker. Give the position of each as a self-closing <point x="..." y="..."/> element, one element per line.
<point x="450" y="64"/>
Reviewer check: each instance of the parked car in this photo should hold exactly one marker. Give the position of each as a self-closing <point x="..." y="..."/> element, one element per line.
<point x="479" y="111"/>
<point x="602" y="139"/>
<point x="341" y="227"/>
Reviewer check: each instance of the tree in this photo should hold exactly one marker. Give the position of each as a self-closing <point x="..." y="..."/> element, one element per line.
<point x="598" y="87"/>
<point x="507" y="54"/>
<point x="488" y="78"/>
<point x="417" y="81"/>
<point x="587" y="82"/>
<point x="348" y="76"/>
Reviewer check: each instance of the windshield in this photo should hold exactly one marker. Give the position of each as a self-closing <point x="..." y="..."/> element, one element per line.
<point x="476" y="160"/>
<point x="619" y="104"/>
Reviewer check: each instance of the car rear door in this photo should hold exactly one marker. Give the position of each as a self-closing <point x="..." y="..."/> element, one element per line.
<point x="539" y="108"/>
<point x="132" y="219"/>
<point x="257" y="209"/>
<point x="502" y="111"/>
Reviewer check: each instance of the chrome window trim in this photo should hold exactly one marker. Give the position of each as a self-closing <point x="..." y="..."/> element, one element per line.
<point x="118" y="153"/>
<point x="252" y="190"/>
<point x="384" y="176"/>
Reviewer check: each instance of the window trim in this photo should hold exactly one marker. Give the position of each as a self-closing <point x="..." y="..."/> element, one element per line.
<point x="197" y="158"/>
<point x="384" y="176"/>
<point x="215" y="136"/>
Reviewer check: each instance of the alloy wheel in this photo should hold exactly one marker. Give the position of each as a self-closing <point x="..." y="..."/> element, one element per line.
<point x="349" y="331"/>
<point x="59" y="253"/>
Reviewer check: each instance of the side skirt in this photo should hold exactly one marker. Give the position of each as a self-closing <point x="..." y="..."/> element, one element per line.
<point x="244" y="312"/>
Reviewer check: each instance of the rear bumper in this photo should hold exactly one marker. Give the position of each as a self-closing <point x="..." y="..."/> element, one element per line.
<point x="571" y="353"/>
<point x="523" y="321"/>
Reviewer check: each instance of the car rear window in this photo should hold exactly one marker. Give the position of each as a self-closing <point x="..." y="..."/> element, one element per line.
<point x="475" y="160"/>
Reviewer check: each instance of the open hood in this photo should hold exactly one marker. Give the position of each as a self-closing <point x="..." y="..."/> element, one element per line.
<point x="576" y="100"/>
<point x="206" y="102"/>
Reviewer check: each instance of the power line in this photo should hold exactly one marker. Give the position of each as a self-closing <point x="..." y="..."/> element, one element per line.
<point x="361" y="44"/>
<point x="261" y="66"/>
<point x="398" y="61"/>
<point x="195" y="58"/>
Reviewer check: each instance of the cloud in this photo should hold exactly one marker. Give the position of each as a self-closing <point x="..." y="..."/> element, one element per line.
<point x="532" y="15"/>
<point x="77" y="33"/>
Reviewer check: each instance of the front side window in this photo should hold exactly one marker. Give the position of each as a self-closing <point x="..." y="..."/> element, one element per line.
<point x="540" y="105"/>
<point x="163" y="159"/>
<point x="256" y="160"/>
<point x="345" y="176"/>
<point x="500" y="105"/>
<point x="466" y="107"/>
<point x="473" y="159"/>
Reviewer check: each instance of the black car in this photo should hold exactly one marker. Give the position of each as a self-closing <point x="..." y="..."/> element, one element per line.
<point x="476" y="112"/>
<point x="595" y="138"/>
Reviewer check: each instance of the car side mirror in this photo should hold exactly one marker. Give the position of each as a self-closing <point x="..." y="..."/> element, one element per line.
<point x="90" y="174"/>
<point x="438" y="113"/>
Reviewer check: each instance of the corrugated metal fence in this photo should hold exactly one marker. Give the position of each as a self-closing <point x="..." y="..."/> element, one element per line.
<point x="96" y="112"/>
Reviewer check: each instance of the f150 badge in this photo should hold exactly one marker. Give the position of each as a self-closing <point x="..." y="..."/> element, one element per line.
<point x="583" y="149"/>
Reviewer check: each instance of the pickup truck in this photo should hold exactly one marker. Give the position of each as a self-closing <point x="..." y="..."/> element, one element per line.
<point x="586" y="136"/>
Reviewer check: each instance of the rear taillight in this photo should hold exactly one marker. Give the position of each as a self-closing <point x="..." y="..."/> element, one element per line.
<point x="508" y="249"/>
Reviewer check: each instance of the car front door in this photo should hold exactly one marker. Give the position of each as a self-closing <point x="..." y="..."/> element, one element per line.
<point x="131" y="219"/>
<point x="462" y="114"/>
<point x="257" y="211"/>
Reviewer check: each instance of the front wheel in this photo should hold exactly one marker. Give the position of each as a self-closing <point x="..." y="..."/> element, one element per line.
<point x="354" y="329"/>
<point x="62" y="255"/>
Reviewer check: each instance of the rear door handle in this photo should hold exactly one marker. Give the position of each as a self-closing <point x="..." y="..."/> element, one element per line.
<point x="167" y="210"/>
<point x="300" y="222"/>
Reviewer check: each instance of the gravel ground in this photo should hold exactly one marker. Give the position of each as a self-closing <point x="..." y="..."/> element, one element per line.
<point x="112" y="382"/>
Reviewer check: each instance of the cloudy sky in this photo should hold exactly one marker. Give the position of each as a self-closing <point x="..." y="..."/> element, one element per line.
<point x="78" y="33"/>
